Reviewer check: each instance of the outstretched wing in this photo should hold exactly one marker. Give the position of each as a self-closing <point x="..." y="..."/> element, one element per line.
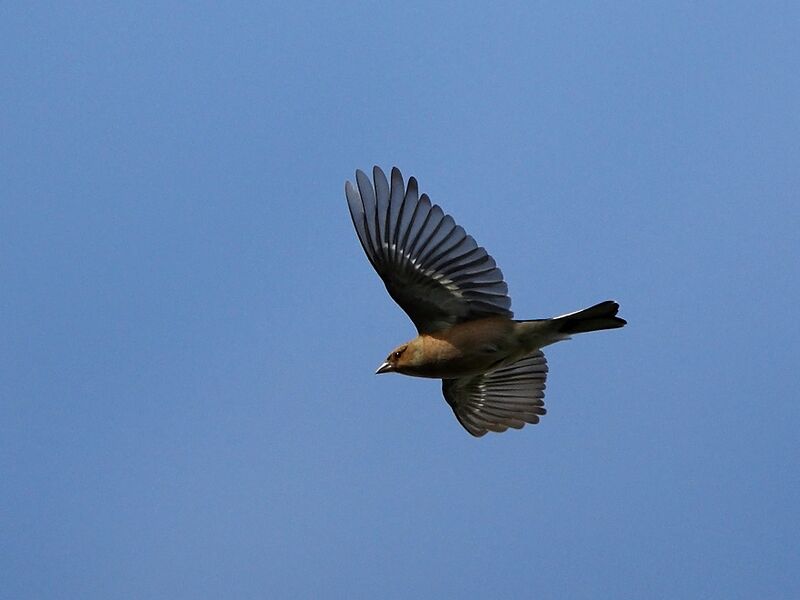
<point x="508" y="397"/>
<point x="435" y="271"/>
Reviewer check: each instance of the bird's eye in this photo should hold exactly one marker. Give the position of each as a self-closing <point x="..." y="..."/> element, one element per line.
<point x="397" y="354"/>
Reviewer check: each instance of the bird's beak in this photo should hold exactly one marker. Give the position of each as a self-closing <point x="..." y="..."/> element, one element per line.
<point x="384" y="368"/>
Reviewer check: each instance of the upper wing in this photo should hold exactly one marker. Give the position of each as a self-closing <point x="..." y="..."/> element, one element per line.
<point x="431" y="267"/>
<point x="508" y="397"/>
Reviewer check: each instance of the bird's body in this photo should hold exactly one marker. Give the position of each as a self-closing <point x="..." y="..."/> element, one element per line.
<point x="491" y="366"/>
<point x="465" y="349"/>
<point x="473" y="347"/>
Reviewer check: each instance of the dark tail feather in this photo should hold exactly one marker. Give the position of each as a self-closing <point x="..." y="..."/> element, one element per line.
<point x="597" y="317"/>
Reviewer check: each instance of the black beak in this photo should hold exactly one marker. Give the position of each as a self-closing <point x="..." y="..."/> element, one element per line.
<point x="384" y="368"/>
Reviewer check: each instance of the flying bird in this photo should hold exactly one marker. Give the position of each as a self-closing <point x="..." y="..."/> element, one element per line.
<point x="492" y="367"/>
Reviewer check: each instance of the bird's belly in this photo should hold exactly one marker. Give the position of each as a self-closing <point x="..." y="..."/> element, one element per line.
<point x="456" y="367"/>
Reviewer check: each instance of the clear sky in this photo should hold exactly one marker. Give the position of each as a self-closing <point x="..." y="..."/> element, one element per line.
<point x="189" y="327"/>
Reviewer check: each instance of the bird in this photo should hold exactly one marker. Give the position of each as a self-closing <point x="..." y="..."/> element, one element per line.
<point x="492" y="367"/>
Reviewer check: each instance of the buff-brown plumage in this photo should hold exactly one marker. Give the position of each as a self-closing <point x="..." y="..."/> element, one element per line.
<point x="492" y="368"/>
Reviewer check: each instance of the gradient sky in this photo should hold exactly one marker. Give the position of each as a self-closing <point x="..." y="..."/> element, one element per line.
<point x="189" y="327"/>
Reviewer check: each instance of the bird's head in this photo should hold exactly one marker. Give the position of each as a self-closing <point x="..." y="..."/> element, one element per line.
<point x="400" y="359"/>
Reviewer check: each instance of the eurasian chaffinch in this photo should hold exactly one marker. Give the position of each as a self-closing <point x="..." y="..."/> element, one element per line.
<point x="491" y="366"/>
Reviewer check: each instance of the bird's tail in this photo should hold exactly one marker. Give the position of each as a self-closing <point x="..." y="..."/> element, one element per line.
<point x="597" y="317"/>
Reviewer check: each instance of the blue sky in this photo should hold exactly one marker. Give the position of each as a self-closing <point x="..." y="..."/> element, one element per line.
<point x="189" y="326"/>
